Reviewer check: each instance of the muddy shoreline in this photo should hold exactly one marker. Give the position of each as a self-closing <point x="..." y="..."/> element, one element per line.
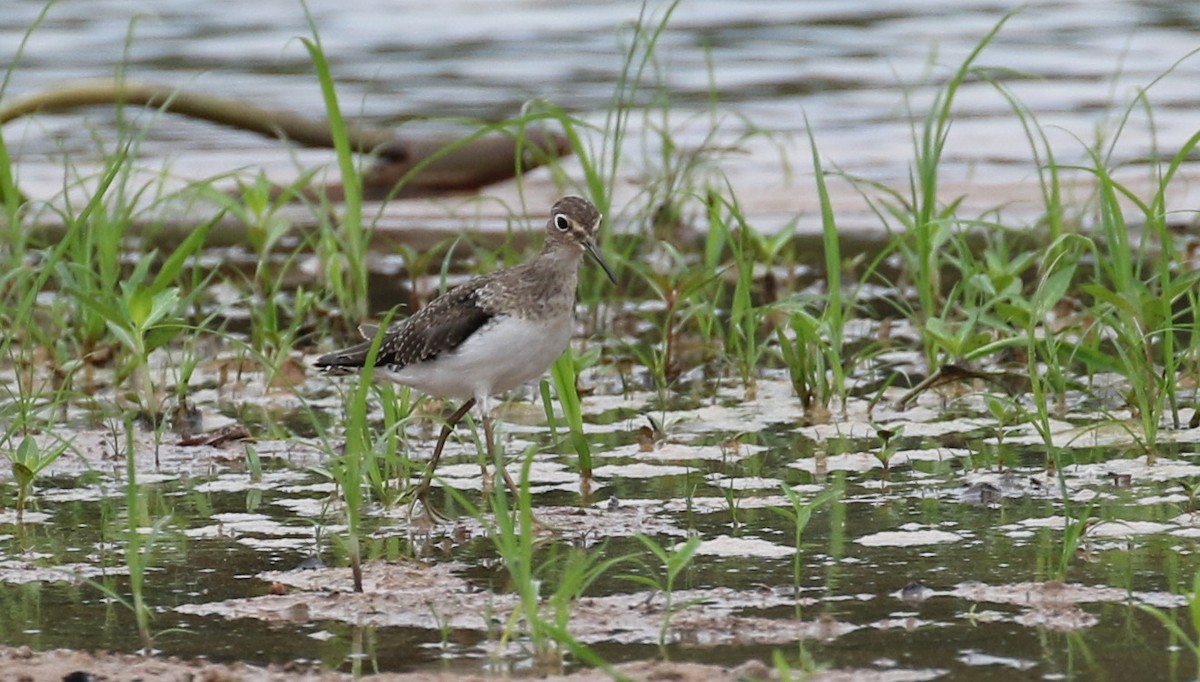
<point x="22" y="664"/>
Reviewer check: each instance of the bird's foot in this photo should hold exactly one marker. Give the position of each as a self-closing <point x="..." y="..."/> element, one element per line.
<point x="428" y="517"/>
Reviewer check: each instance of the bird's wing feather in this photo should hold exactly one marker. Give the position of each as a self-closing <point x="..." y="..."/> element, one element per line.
<point x="437" y="328"/>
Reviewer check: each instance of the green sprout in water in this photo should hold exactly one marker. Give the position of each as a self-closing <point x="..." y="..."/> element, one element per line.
<point x="145" y="315"/>
<point x="1074" y="536"/>
<point x="800" y="514"/>
<point x="565" y="578"/>
<point x="29" y="460"/>
<point x="888" y="446"/>
<point x="1190" y="486"/>
<point x="672" y="561"/>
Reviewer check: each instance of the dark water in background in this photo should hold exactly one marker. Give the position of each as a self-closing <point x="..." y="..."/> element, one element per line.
<point x="843" y="64"/>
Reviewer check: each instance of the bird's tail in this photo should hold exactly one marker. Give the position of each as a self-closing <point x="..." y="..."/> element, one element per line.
<point x="344" y="361"/>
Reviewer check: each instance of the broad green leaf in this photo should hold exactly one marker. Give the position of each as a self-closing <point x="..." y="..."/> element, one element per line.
<point x="124" y="337"/>
<point x="1052" y="290"/>
<point x="23" y="474"/>
<point x="172" y="266"/>
<point x="163" y="304"/>
<point x="139" y="304"/>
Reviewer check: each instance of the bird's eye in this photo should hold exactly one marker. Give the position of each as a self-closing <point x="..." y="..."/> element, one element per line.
<point x="561" y="222"/>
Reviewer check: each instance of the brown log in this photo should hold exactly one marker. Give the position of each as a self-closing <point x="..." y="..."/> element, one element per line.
<point x="482" y="161"/>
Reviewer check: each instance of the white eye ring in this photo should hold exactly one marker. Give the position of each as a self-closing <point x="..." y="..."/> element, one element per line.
<point x="562" y="222"/>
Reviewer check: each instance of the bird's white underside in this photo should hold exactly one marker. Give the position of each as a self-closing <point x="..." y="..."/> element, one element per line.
<point x="506" y="353"/>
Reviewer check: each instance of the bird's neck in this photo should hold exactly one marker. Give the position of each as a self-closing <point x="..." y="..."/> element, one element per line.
<point x="557" y="264"/>
<point x="560" y="259"/>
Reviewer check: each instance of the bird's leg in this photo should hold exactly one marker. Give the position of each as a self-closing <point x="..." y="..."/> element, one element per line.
<point x="485" y="475"/>
<point x="422" y="491"/>
<point x="508" y="480"/>
<point x="494" y="454"/>
<point x="491" y="450"/>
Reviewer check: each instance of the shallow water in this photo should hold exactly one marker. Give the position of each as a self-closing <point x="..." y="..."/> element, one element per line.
<point x="913" y="572"/>
<point x="975" y="521"/>
<point x="846" y="66"/>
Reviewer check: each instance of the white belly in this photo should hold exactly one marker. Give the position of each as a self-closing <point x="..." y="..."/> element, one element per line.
<point x="504" y="354"/>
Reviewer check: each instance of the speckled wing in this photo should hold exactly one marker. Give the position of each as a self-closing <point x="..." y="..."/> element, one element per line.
<point x="437" y="328"/>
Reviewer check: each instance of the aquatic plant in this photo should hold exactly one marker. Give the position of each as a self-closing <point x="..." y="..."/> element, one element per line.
<point x="348" y="469"/>
<point x="343" y="250"/>
<point x="1138" y="308"/>
<point x="138" y="551"/>
<point x="145" y="315"/>
<point x="681" y="288"/>
<point x="1073" y="535"/>
<point x="140" y="540"/>
<point x="800" y="514"/>
<point x="804" y="660"/>
<point x="387" y="467"/>
<point x="278" y="312"/>
<point x="671" y="562"/>
<point x="744" y="340"/>
<point x="887" y="446"/>
<point x="1189" y="635"/>
<point x="563" y="374"/>
<point x="562" y="579"/>
<point x="28" y="460"/>
<point x="928" y="222"/>
<point x="812" y="343"/>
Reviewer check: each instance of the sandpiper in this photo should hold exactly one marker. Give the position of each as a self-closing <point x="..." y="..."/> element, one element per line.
<point x="488" y="335"/>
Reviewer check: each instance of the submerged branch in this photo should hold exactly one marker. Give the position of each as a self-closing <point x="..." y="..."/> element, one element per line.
<point x="437" y="164"/>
